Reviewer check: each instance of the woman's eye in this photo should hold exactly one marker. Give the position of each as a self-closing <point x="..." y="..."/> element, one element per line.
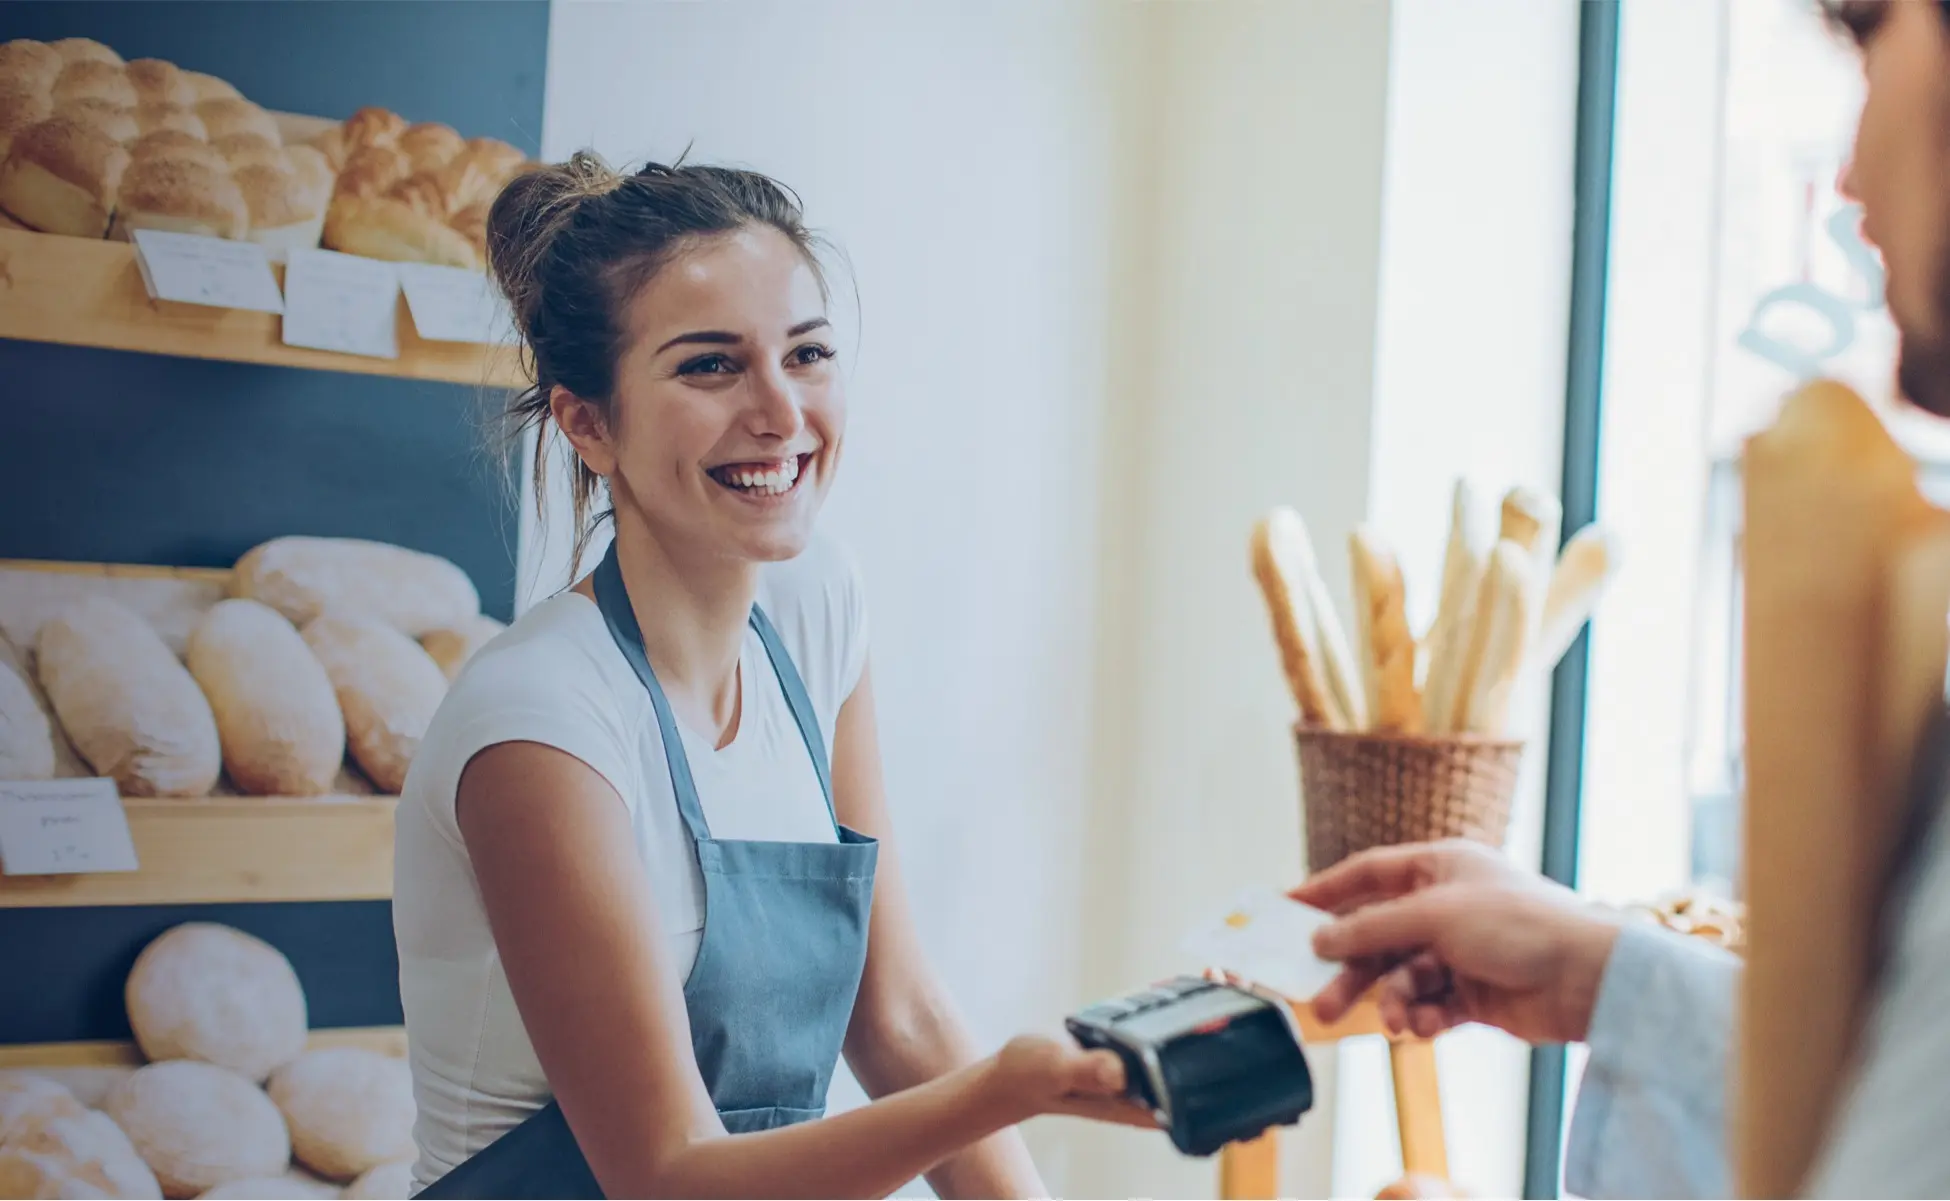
<point x="710" y="364"/>
<point x="810" y="353"/>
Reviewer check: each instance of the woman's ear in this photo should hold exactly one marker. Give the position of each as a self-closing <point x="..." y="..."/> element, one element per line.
<point x="582" y="423"/>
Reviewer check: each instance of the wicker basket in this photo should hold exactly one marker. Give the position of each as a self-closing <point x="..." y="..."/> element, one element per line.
<point x="1369" y="790"/>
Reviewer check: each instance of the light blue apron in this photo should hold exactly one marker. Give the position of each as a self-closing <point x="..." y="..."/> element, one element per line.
<point x="771" y="993"/>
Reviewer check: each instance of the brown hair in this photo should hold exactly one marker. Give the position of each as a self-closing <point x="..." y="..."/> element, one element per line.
<point x="573" y="243"/>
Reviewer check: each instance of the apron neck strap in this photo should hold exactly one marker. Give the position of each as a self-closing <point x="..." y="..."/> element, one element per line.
<point x="613" y="600"/>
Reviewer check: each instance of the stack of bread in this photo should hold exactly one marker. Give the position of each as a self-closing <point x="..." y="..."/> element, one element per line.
<point x="413" y="193"/>
<point x="327" y="648"/>
<point x="231" y="1103"/>
<point x="94" y="146"/>
<point x="1506" y="608"/>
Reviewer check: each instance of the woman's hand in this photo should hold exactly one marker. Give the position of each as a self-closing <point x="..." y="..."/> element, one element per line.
<point x="1045" y="1075"/>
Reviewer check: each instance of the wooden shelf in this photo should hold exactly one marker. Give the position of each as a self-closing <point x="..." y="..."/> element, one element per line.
<point x="230" y="849"/>
<point x="84" y="292"/>
<point x="387" y="1040"/>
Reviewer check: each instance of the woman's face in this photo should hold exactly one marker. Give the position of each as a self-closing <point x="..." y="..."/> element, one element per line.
<point x="728" y="413"/>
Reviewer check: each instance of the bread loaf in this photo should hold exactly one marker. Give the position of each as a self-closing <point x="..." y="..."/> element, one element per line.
<point x="128" y="704"/>
<point x="276" y="711"/>
<point x="1587" y="564"/>
<point x="1449" y="638"/>
<point x="1388" y="654"/>
<point x="90" y="1145"/>
<point x="1505" y="616"/>
<point x="430" y="144"/>
<point x="452" y="647"/>
<point x="388" y="688"/>
<point x="303" y="577"/>
<point x="26" y="1099"/>
<point x="392" y="230"/>
<point x="208" y="992"/>
<point x="1280" y="549"/>
<point x="61" y="177"/>
<point x="178" y="195"/>
<point x="27" y="738"/>
<point x="387" y="1182"/>
<point x="349" y="1109"/>
<point x="198" y="1126"/>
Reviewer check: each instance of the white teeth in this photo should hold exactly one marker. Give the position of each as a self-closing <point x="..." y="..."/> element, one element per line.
<point x="771" y="483"/>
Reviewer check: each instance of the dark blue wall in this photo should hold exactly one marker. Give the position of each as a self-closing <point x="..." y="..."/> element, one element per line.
<point x="115" y="457"/>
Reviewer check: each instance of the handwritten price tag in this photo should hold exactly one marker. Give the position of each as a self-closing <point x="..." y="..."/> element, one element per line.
<point x="341" y="302"/>
<point x="192" y="269"/>
<point x="63" y="827"/>
<point x="452" y="305"/>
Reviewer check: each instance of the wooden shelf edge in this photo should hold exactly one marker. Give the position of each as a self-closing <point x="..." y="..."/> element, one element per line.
<point x="84" y="292"/>
<point x="110" y="1053"/>
<point x="224" y="849"/>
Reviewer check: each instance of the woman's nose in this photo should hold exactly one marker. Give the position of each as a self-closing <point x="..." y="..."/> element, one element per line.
<point x="775" y="404"/>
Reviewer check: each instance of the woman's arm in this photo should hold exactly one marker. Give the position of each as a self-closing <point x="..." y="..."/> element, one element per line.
<point x="576" y="927"/>
<point x="905" y="1030"/>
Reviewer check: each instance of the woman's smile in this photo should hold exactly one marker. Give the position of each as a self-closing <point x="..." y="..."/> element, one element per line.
<point x="765" y="482"/>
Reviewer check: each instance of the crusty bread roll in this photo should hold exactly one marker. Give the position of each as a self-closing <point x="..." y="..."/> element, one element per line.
<point x="292" y="1186"/>
<point x="277" y="715"/>
<point x="198" y="1126"/>
<point x="181" y="196"/>
<point x="452" y="647"/>
<point x="230" y="115"/>
<point x="91" y="1146"/>
<point x="126" y="702"/>
<point x="85" y="50"/>
<point x="26" y="63"/>
<point x="1387" y="649"/>
<point x="28" y="750"/>
<point x="26" y="1098"/>
<point x="159" y="82"/>
<point x="92" y="80"/>
<point x="20" y="108"/>
<point x="61" y="177"/>
<point x="151" y="117"/>
<point x="430" y="144"/>
<point x="1280" y="554"/>
<point x="349" y="1109"/>
<point x="212" y="993"/>
<point x="302" y="577"/>
<point x="1587" y="564"/>
<point x="209" y="87"/>
<point x="104" y="117"/>
<point x="388" y="688"/>
<point x="373" y="126"/>
<point x="387" y="1182"/>
<point x="1499" y="644"/>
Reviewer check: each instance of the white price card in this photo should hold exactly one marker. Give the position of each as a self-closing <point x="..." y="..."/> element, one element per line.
<point x="449" y="304"/>
<point x="194" y="269"/>
<point x="341" y="302"/>
<point x="63" y="827"/>
<point x="1267" y="939"/>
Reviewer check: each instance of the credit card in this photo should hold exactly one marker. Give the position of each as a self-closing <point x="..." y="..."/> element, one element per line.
<point x="1266" y="939"/>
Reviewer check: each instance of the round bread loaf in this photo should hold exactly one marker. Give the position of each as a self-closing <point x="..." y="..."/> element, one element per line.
<point x="388" y="688"/>
<point x="303" y="577"/>
<point x="387" y="1182"/>
<point x="26" y="1098"/>
<point x="212" y="993"/>
<point x="277" y="715"/>
<point x="27" y="738"/>
<point x="92" y="1146"/>
<point x="127" y="703"/>
<point x="198" y="1126"/>
<point x="294" y="1185"/>
<point x="452" y="647"/>
<point x="349" y="1109"/>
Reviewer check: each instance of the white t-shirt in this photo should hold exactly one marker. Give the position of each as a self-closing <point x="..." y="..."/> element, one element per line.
<point x="556" y="677"/>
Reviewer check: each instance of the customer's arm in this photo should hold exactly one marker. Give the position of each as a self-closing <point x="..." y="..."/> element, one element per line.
<point x="1651" y="1113"/>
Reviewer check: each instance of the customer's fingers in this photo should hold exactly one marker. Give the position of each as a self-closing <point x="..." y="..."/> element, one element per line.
<point x="1344" y="990"/>
<point x="1365" y="877"/>
<point x="1387" y="929"/>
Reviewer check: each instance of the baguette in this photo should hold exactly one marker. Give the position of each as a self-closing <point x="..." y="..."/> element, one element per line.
<point x="1505" y="621"/>
<point x="1387" y="648"/>
<point x="1462" y="571"/>
<point x="1531" y="519"/>
<point x="1582" y="571"/>
<point x="1280" y="550"/>
<point x="1343" y="677"/>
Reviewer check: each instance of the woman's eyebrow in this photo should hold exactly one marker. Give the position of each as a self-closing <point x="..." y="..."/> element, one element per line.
<point x="718" y="337"/>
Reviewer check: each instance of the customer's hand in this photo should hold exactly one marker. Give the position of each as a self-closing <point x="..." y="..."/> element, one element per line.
<point x="1047" y="1075"/>
<point x="1452" y="932"/>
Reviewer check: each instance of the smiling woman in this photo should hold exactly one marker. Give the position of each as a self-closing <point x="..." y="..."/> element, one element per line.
<point x="640" y="911"/>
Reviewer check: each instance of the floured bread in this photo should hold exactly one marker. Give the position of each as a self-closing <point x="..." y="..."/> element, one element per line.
<point x="303" y="577"/>
<point x="277" y="714"/>
<point x="61" y="177"/>
<point x="388" y="688"/>
<point x="90" y="1145"/>
<point x="349" y="1109"/>
<point x="178" y="195"/>
<point x="26" y="1099"/>
<point x="387" y="1182"/>
<point x="198" y="1126"/>
<point x="127" y="703"/>
<point x="212" y="993"/>
<point x="452" y="647"/>
<point x="298" y="1186"/>
<point x="27" y="738"/>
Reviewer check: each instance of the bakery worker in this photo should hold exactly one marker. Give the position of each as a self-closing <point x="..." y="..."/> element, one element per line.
<point x="1489" y="943"/>
<point x="646" y="892"/>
